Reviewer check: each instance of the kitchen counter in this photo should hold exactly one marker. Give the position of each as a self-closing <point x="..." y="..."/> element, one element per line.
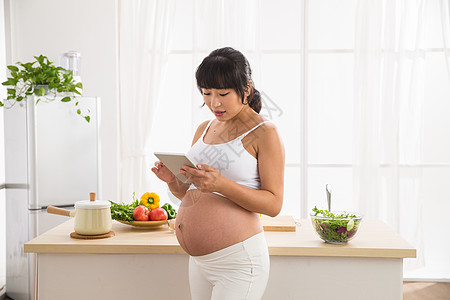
<point x="375" y="239"/>
<point x="301" y="263"/>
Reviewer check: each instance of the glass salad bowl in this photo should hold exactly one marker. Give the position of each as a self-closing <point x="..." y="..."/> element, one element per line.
<point x="337" y="227"/>
<point x="171" y="224"/>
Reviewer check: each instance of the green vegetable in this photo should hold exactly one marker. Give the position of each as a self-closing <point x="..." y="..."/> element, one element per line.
<point x="327" y="214"/>
<point x="335" y="228"/>
<point x="123" y="212"/>
<point x="171" y="212"/>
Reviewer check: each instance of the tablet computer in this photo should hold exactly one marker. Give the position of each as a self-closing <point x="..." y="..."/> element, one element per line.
<point x="174" y="162"/>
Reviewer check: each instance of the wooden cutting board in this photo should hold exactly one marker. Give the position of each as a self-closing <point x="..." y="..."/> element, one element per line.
<point x="279" y="223"/>
<point x="92" y="237"/>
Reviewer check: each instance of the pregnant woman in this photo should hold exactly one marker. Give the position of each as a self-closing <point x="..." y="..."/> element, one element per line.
<point x="239" y="175"/>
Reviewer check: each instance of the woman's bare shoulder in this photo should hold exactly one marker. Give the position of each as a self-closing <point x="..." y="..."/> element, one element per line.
<point x="267" y="128"/>
<point x="199" y="131"/>
<point x="268" y="124"/>
<point x="268" y="135"/>
<point x="201" y="127"/>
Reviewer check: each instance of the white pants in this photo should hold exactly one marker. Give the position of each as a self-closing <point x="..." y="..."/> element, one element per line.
<point x="239" y="271"/>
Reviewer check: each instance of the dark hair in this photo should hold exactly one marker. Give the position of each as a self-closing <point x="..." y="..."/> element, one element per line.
<point x="227" y="68"/>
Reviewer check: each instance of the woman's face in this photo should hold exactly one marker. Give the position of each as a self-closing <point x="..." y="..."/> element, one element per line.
<point x="225" y="104"/>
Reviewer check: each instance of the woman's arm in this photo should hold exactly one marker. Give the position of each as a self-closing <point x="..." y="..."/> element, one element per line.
<point x="175" y="185"/>
<point x="269" y="199"/>
<point x="178" y="188"/>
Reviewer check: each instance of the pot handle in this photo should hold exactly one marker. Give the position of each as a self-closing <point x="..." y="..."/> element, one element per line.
<point x="59" y="211"/>
<point x="92" y="196"/>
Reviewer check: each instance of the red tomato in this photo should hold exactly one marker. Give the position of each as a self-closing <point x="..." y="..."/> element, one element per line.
<point x="158" y="214"/>
<point x="141" y="213"/>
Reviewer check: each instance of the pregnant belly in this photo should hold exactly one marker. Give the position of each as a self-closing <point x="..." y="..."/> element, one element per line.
<point x="208" y="222"/>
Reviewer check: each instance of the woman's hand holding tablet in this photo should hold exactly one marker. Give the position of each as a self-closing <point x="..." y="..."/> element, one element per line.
<point x="174" y="162"/>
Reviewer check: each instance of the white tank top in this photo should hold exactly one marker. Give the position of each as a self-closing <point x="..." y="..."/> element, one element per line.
<point x="230" y="158"/>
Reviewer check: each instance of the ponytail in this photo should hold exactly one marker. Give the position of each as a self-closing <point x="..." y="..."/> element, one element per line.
<point x="254" y="100"/>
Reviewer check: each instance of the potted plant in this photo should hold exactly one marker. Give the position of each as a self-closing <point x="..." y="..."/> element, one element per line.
<point x="43" y="79"/>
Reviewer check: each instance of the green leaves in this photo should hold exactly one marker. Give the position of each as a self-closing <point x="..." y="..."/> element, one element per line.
<point x="11" y="92"/>
<point x="327" y="214"/>
<point x="13" y="68"/>
<point x="27" y="66"/>
<point x="10" y="82"/>
<point x="41" y="91"/>
<point x="123" y="212"/>
<point x="29" y="78"/>
<point x="41" y="59"/>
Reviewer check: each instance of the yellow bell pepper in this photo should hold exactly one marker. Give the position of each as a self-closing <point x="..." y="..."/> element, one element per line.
<point x="150" y="200"/>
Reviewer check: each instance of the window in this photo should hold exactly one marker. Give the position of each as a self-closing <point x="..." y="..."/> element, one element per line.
<point x="289" y="70"/>
<point x="304" y="67"/>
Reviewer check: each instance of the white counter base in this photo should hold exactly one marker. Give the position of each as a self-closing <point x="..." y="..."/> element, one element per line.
<point x="165" y="276"/>
<point x="138" y="264"/>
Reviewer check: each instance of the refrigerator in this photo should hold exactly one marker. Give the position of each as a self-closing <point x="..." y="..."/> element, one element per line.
<point x="51" y="158"/>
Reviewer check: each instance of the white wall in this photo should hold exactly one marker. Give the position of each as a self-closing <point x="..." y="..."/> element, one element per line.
<point x="52" y="27"/>
<point x="2" y="154"/>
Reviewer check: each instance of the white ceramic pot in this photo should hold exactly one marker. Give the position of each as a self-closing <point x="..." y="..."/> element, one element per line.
<point x="92" y="217"/>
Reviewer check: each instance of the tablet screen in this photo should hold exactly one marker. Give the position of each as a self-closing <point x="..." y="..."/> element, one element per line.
<point x="174" y="162"/>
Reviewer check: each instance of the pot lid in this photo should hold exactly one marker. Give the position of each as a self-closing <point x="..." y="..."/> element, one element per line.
<point x="97" y="204"/>
<point x="92" y="203"/>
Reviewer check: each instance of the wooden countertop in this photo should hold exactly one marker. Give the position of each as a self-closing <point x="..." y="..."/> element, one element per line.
<point x="374" y="239"/>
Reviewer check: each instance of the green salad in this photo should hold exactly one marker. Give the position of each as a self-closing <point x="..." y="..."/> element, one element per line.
<point x="336" y="228"/>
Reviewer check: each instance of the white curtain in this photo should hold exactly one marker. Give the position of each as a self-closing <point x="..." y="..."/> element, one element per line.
<point x="144" y="33"/>
<point x="223" y="23"/>
<point x="388" y="116"/>
<point x="214" y="24"/>
<point x="445" y="17"/>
